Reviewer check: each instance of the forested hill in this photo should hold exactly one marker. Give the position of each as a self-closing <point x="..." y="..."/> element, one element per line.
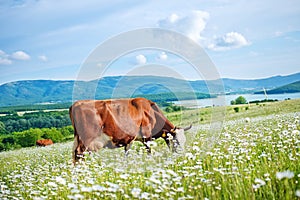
<point x="289" y="88"/>
<point x="40" y="91"/>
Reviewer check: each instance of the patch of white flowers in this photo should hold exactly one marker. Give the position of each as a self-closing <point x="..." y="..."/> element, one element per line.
<point x="249" y="154"/>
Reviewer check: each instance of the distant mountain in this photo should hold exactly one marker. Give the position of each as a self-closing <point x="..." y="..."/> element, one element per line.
<point x="289" y="88"/>
<point x="41" y="91"/>
<point x="35" y="91"/>
<point x="241" y="86"/>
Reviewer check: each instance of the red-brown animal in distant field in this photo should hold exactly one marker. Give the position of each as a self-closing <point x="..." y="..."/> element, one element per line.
<point x="118" y="122"/>
<point x="44" y="142"/>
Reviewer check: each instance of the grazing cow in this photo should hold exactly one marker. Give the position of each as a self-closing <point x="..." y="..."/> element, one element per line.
<point x="118" y="122"/>
<point x="44" y="142"/>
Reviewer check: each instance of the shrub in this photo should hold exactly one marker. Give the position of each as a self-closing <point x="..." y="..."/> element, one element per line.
<point x="8" y="140"/>
<point x="239" y="100"/>
<point x="27" y="138"/>
<point x="52" y="134"/>
<point x="236" y="109"/>
<point x="2" y="128"/>
<point x="2" y="147"/>
<point x="168" y="109"/>
<point x="174" y="108"/>
<point x="67" y="131"/>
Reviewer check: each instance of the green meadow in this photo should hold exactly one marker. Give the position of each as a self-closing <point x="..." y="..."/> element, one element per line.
<point x="256" y="155"/>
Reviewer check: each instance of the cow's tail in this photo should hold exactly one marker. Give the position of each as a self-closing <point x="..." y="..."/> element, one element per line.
<point x="72" y="119"/>
<point x="76" y="137"/>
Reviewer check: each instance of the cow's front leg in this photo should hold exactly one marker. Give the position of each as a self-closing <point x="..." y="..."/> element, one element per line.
<point x="127" y="147"/>
<point x="145" y="141"/>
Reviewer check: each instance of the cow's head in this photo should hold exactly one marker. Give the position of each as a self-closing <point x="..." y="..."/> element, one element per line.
<point x="176" y="139"/>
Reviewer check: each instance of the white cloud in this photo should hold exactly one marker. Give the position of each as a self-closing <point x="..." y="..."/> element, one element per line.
<point x="278" y="33"/>
<point x="43" y="58"/>
<point x="20" y="55"/>
<point x="2" y="53"/>
<point x="4" y="60"/>
<point x="191" y="24"/>
<point x="228" y="41"/>
<point x="173" y="18"/>
<point x="163" y="56"/>
<point x="141" y="59"/>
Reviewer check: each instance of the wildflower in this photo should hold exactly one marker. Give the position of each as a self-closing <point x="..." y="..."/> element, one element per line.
<point x="218" y="187"/>
<point x="151" y="144"/>
<point x="296" y="132"/>
<point x="86" y="189"/>
<point x="124" y="176"/>
<point x="172" y="173"/>
<point x="158" y="190"/>
<point x="52" y="184"/>
<point x="145" y="195"/>
<point x="196" y="148"/>
<point x="267" y="179"/>
<point x="60" y="180"/>
<point x="285" y="174"/>
<point x="78" y="196"/>
<point x="72" y="185"/>
<point x="297" y="193"/>
<point x="136" y="192"/>
<point x="260" y="181"/>
<point x="91" y="181"/>
<point x="170" y="137"/>
<point x="113" y="185"/>
<point x="255" y="186"/>
<point x="98" y="188"/>
<point x="154" y="180"/>
<point x="190" y="156"/>
<point x="75" y="190"/>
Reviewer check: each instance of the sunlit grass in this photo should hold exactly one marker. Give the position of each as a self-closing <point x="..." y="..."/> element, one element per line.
<point x="253" y="158"/>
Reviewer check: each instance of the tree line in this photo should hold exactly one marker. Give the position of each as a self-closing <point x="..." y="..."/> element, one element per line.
<point x="29" y="137"/>
<point x="23" y="131"/>
<point x="13" y="122"/>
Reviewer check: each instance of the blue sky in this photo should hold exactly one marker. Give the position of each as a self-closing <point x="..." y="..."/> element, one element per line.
<point x="50" y="39"/>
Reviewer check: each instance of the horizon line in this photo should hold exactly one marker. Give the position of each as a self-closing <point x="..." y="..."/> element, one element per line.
<point x="66" y="79"/>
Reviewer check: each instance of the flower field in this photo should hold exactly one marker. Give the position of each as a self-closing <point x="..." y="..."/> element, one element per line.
<point x="256" y="156"/>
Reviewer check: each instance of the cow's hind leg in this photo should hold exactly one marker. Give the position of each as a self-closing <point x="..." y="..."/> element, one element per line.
<point x="74" y="151"/>
<point x="78" y="149"/>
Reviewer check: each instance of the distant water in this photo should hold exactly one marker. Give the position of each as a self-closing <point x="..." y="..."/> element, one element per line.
<point x="228" y="98"/>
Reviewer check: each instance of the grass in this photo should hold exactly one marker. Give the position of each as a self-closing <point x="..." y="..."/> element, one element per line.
<point x="256" y="156"/>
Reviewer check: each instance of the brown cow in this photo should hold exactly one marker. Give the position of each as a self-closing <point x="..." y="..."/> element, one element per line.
<point x="118" y="122"/>
<point x="44" y="142"/>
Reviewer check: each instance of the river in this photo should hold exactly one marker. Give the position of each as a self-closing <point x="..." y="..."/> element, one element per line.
<point x="198" y="103"/>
